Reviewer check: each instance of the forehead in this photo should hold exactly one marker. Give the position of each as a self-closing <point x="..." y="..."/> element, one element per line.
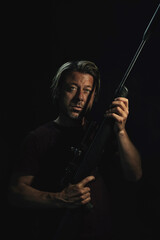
<point x="78" y="78"/>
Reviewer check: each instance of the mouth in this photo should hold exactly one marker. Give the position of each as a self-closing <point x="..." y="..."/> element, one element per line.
<point x="77" y="108"/>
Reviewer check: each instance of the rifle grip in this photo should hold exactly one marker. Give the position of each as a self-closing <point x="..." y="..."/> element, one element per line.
<point x="123" y="92"/>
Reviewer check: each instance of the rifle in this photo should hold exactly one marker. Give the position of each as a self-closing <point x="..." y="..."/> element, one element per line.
<point x="86" y="158"/>
<point x="103" y="134"/>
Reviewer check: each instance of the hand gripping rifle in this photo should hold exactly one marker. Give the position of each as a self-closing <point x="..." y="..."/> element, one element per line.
<point x="85" y="161"/>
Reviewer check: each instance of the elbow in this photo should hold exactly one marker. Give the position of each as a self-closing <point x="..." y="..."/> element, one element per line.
<point x="138" y="175"/>
<point x="11" y="196"/>
<point x="134" y="176"/>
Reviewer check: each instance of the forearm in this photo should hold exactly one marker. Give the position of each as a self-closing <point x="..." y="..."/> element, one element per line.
<point x="27" y="196"/>
<point x="129" y="157"/>
<point x="22" y="194"/>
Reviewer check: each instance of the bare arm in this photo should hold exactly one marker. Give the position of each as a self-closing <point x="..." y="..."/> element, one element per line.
<point x="21" y="193"/>
<point x="129" y="155"/>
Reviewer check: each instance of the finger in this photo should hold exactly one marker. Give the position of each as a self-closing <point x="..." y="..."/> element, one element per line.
<point x="86" y="200"/>
<point x="79" y="191"/>
<point x="82" y="199"/>
<point x="119" y="104"/>
<point x="116" y="111"/>
<point x="79" y="203"/>
<point x="124" y="100"/>
<point x="86" y="180"/>
<point x="119" y="111"/>
<point x="116" y="117"/>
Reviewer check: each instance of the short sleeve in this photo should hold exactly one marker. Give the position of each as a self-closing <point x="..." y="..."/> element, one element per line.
<point x="28" y="155"/>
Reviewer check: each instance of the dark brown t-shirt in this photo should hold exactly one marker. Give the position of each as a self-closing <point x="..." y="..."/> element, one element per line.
<point x="45" y="153"/>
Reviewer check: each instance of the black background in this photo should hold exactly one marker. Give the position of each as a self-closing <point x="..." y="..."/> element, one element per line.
<point x="38" y="37"/>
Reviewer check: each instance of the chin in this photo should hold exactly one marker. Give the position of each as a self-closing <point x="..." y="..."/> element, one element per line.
<point x="74" y="116"/>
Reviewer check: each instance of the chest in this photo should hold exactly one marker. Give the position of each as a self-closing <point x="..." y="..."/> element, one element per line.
<point x="53" y="161"/>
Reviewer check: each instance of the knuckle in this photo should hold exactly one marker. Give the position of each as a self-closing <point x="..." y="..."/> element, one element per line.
<point x="80" y="191"/>
<point x="118" y="109"/>
<point x="120" y="120"/>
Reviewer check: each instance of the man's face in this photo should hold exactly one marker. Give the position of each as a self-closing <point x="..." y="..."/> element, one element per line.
<point x="77" y="93"/>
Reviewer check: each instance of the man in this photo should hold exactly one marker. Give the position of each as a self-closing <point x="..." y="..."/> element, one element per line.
<point x="58" y="210"/>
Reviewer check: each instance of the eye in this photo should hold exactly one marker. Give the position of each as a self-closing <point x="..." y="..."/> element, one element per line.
<point x="72" y="88"/>
<point x="87" y="90"/>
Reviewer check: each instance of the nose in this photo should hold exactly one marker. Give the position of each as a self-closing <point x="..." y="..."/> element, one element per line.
<point x="79" y="95"/>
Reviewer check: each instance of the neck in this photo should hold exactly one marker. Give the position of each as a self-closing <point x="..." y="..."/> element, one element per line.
<point x="68" y="122"/>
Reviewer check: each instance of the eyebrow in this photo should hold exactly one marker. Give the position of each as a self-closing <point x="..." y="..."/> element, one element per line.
<point x="72" y="83"/>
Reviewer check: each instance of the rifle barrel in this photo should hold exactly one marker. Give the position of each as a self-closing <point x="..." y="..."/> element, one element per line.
<point x="147" y="33"/>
